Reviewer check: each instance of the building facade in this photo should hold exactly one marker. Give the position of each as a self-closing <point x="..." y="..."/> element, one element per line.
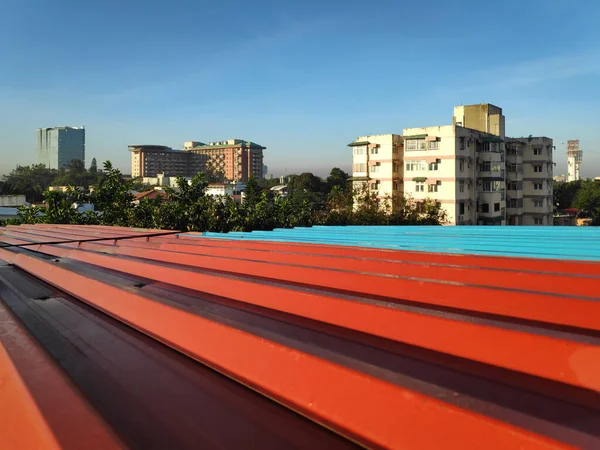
<point x="377" y="165"/>
<point x="530" y="168"/>
<point x="478" y="176"/>
<point x="461" y="168"/>
<point x="236" y="159"/>
<point x="57" y="147"/>
<point x="151" y="160"/>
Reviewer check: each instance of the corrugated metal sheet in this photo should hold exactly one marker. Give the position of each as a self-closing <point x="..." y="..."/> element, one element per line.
<point x="134" y="338"/>
<point x="576" y="243"/>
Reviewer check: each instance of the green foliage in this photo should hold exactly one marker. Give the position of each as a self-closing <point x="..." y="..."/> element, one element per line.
<point x="113" y="198"/>
<point x="587" y="197"/>
<point x="306" y="182"/>
<point x="310" y="201"/>
<point x="564" y="194"/>
<point x="268" y="183"/>
<point x="30" y="181"/>
<point x="252" y="193"/>
<point x="337" y="178"/>
<point x="76" y="175"/>
<point x="93" y="167"/>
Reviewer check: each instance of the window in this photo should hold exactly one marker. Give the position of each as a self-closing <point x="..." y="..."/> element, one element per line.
<point x="432" y="187"/>
<point x="538" y="221"/>
<point x="376" y="168"/>
<point x="538" y="186"/>
<point x="485" y="207"/>
<point x="395" y="149"/>
<point x="461" y="186"/>
<point x="434" y="145"/>
<point x="537" y="151"/>
<point x="362" y="167"/>
<point x="537" y="168"/>
<point x="485" y="166"/>
<point x="496" y="207"/>
<point x="538" y="203"/>
<point x="461" y="208"/>
<point x="395" y="186"/>
<point x="395" y="166"/>
<point x="489" y="186"/>
<point x="360" y="150"/>
<point x="415" y="144"/>
<point x="434" y="165"/>
<point x="461" y="143"/>
<point x="374" y="151"/>
<point x="415" y="165"/>
<point x="419" y="187"/>
<point x="461" y="166"/>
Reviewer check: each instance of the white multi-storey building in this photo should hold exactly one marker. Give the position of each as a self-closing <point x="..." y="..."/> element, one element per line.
<point x="475" y="173"/>
<point x="377" y="164"/>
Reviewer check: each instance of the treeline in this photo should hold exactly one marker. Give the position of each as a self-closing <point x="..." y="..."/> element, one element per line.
<point x="32" y="181"/>
<point x="583" y="195"/>
<point x="310" y="201"/>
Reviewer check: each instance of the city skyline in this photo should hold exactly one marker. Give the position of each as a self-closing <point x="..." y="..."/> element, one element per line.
<point x="303" y="82"/>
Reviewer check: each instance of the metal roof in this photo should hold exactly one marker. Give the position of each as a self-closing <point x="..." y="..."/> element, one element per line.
<point x="137" y="338"/>
<point x="576" y="243"/>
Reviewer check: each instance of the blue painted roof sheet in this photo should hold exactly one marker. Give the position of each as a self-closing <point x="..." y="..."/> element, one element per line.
<point x="573" y="243"/>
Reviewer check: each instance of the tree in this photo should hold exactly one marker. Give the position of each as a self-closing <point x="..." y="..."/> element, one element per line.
<point x="93" y="167"/>
<point x="113" y="197"/>
<point x="307" y="182"/>
<point x="588" y="198"/>
<point x="252" y="193"/>
<point x="30" y="181"/>
<point x="187" y="207"/>
<point x="337" y="177"/>
<point x="564" y="194"/>
<point x="76" y="166"/>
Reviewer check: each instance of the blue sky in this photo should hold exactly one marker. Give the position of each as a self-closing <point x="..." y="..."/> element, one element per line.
<point x="302" y="78"/>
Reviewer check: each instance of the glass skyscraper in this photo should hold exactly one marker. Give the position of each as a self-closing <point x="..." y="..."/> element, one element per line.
<point x="57" y="146"/>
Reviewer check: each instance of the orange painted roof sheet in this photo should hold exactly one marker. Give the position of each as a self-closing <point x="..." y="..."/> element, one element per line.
<point x="154" y="339"/>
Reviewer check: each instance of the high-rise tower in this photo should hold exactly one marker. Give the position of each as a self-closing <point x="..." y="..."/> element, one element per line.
<point x="57" y="147"/>
<point x="574" y="158"/>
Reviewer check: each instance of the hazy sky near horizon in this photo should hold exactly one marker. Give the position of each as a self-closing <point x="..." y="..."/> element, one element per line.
<point x="302" y="78"/>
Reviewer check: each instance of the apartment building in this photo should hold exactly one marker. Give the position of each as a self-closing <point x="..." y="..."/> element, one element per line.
<point x="461" y="168"/>
<point x="530" y="169"/>
<point x="236" y="159"/>
<point x="479" y="176"/>
<point x="377" y="165"/>
<point x="151" y="160"/>
<point x="57" y="147"/>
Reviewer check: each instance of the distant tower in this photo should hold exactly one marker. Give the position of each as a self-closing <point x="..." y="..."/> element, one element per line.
<point x="574" y="158"/>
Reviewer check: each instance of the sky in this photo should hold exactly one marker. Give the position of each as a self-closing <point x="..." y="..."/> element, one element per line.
<point x="302" y="78"/>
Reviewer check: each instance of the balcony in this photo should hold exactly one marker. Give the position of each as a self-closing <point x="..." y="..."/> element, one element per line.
<point x="514" y="176"/>
<point x="491" y="219"/>
<point x="495" y="174"/>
